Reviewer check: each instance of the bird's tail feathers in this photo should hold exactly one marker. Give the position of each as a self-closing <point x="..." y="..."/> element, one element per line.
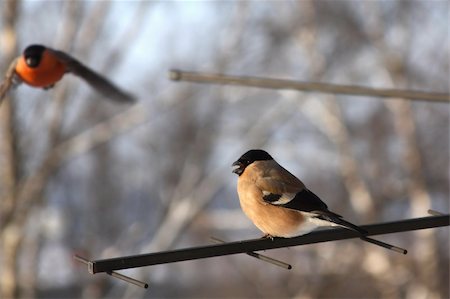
<point x="337" y="219"/>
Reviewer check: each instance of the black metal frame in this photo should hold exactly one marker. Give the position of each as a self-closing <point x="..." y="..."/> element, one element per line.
<point x="164" y="257"/>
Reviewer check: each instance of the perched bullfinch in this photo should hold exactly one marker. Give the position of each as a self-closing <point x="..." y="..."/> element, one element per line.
<point x="279" y="204"/>
<point x="40" y="66"/>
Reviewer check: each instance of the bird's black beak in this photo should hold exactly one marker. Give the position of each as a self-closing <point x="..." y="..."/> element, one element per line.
<point x="238" y="167"/>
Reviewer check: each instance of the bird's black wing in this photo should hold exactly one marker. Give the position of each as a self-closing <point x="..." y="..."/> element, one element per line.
<point x="307" y="201"/>
<point x="304" y="201"/>
<point x="94" y="79"/>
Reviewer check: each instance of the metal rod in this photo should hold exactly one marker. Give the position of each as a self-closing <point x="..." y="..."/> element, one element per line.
<point x="263" y="244"/>
<point x="128" y="279"/>
<point x="82" y="260"/>
<point x="178" y="75"/>
<point x="112" y="273"/>
<point x="385" y="245"/>
<point x="261" y="257"/>
<point x="435" y="213"/>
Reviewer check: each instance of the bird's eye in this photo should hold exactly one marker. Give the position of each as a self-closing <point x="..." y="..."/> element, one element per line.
<point x="32" y="61"/>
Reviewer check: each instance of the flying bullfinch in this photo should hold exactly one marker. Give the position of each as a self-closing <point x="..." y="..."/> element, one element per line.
<point x="40" y="66"/>
<point x="280" y="205"/>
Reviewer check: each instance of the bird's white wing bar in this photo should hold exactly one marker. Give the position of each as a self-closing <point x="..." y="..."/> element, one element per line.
<point x="278" y="199"/>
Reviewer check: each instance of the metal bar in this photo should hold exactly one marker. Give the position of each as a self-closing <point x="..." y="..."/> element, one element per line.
<point x="264" y="244"/>
<point x="198" y="77"/>
<point x="261" y="257"/>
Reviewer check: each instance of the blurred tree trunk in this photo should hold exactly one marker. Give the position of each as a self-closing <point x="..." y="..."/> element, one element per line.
<point x="329" y="119"/>
<point x="411" y="157"/>
<point x="10" y="237"/>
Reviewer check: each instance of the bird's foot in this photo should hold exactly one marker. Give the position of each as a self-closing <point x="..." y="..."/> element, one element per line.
<point x="267" y="236"/>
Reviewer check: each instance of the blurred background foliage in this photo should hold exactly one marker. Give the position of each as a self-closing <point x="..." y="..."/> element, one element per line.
<point x="79" y="174"/>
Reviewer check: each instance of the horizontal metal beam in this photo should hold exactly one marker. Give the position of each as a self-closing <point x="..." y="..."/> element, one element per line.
<point x="248" y="81"/>
<point x="107" y="265"/>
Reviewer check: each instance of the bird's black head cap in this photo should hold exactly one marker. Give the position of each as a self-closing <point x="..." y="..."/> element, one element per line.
<point x="250" y="157"/>
<point x="33" y="55"/>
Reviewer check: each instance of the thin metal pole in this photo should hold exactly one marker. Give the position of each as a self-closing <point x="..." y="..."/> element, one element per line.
<point x="261" y="257"/>
<point x="263" y="244"/>
<point x="385" y="245"/>
<point x="435" y="213"/>
<point x="128" y="279"/>
<point x="198" y="77"/>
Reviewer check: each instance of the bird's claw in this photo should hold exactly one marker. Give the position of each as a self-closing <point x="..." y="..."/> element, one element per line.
<point x="267" y="236"/>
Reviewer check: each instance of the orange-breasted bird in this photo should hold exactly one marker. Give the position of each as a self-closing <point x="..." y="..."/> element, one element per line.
<point x="40" y="66"/>
<point x="280" y="205"/>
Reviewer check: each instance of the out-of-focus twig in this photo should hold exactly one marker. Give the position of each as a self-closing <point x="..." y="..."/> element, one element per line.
<point x="178" y="75"/>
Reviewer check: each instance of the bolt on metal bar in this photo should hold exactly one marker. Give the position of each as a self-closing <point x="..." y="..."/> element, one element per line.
<point x="198" y="77"/>
<point x="263" y="244"/>
<point x="261" y="257"/>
